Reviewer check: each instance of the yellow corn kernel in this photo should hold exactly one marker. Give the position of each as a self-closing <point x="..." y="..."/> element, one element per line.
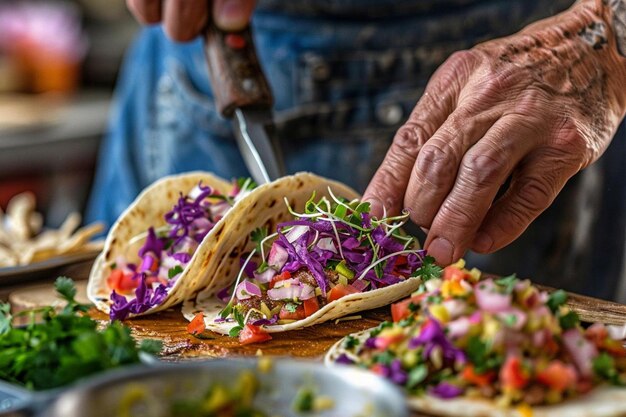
<point x="525" y="410"/>
<point x="459" y="264"/>
<point x="475" y="274"/>
<point x="390" y="332"/>
<point x="452" y="289"/>
<point x="440" y="313"/>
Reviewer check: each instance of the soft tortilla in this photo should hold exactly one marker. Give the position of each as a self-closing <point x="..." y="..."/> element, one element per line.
<point x="603" y="401"/>
<point x="149" y="209"/>
<point x="267" y="208"/>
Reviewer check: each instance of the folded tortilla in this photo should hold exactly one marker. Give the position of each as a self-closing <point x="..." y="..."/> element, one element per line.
<point x="149" y="209"/>
<point x="602" y="401"/>
<point x="265" y="207"/>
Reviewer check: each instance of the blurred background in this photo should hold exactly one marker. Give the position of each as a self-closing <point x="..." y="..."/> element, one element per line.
<point x="58" y="64"/>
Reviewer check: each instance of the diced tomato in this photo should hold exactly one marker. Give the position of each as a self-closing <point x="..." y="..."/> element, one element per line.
<point x="614" y="347"/>
<point x="379" y="369"/>
<point x="383" y="342"/>
<point x="469" y="374"/>
<point x="557" y="376"/>
<point x="401" y="260"/>
<point x="151" y="280"/>
<point x="597" y="334"/>
<point x="512" y="374"/>
<point x="401" y="309"/>
<point x="584" y="385"/>
<point x="298" y="314"/>
<point x="340" y="290"/>
<point x="310" y="306"/>
<point x="453" y="273"/>
<point x="196" y="326"/>
<point x="121" y="282"/>
<point x="280" y="277"/>
<point x="253" y="334"/>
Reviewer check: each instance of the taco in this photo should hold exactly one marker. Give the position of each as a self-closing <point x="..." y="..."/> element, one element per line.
<point x="316" y="256"/>
<point x="158" y="251"/>
<point x="466" y="346"/>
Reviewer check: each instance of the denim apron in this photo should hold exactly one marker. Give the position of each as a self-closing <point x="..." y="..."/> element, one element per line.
<point x="345" y="75"/>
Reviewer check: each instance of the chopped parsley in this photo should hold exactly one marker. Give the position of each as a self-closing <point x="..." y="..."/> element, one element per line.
<point x="63" y="346"/>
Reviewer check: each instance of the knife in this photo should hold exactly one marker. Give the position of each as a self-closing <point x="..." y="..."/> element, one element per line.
<point x="243" y="94"/>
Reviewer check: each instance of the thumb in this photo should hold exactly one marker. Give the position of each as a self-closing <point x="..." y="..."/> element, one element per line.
<point x="232" y="15"/>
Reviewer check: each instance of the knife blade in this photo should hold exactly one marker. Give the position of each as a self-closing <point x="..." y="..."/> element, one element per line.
<point x="242" y="93"/>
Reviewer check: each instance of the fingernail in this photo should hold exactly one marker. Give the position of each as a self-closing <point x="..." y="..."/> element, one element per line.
<point x="442" y="250"/>
<point x="482" y="243"/>
<point x="376" y="207"/>
<point x="232" y="15"/>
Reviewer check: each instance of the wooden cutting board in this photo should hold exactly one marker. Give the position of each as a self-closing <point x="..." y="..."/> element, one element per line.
<point x="312" y="342"/>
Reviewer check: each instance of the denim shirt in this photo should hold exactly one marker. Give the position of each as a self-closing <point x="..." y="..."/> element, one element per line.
<point x="345" y="74"/>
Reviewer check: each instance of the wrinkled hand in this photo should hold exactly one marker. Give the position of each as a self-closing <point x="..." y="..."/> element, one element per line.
<point x="183" y="20"/>
<point x="536" y="107"/>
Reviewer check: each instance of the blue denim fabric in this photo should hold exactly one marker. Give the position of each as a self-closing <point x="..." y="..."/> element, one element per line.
<point x="345" y="75"/>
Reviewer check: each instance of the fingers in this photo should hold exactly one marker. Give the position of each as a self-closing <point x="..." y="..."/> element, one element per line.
<point x="533" y="188"/>
<point x="387" y="187"/>
<point x="232" y="15"/>
<point x="435" y="170"/>
<point x="145" y="11"/>
<point x="482" y="170"/>
<point x="184" y="19"/>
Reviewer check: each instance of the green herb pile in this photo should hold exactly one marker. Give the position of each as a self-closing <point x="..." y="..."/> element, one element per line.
<point x="63" y="346"/>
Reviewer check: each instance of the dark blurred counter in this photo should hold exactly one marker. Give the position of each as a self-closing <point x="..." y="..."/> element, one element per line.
<point x="53" y="151"/>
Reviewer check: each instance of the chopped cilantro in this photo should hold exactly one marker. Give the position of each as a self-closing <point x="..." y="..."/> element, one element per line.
<point x="428" y="270"/>
<point x="262" y="268"/>
<point x="351" y="342"/>
<point x="239" y="318"/>
<point x="384" y="358"/>
<point x="417" y="375"/>
<point x="510" y="320"/>
<point x="291" y="307"/>
<point x="63" y="346"/>
<point x="258" y="235"/>
<point x="172" y="272"/>
<point x="413" y="307"/>
<point x="507" y="284"/>
<point x="556" y="300"/>
<point x="569" y="320"/>
<point x="604" y="366"/>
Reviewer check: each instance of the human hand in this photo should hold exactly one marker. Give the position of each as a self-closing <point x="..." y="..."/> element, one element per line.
<point x="183" y="20"/>
<point x="535" y="107"/>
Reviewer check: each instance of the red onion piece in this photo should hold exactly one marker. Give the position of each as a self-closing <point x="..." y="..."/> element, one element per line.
<point x="458" y="328"/>
<point x="265" y="276"/>
<point x="247" y="290"/>
<point x="327" y="243"/>
<point x="513" y="318"/>
<point x="490" y="299"/>
<point x="582" y="351"/>
<point x="278" y="256"/>
<point x="296" y="232"/>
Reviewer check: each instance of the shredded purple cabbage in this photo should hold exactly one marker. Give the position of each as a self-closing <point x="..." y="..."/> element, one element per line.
<point x="145" y="298"/>
<point x="344" y="359"/>
<point x="152" y="244"/>
<point x="445" y="390"/>
<point x="396" y="373"/>
<point x="266" y="322"/>
<point x="431" y="336"/>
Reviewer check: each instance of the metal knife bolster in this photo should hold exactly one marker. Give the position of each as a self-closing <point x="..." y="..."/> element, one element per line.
<point x="255" y="137"/>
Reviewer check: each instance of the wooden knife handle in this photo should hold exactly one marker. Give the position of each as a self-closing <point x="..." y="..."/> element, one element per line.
<point x="234" y="70"/>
